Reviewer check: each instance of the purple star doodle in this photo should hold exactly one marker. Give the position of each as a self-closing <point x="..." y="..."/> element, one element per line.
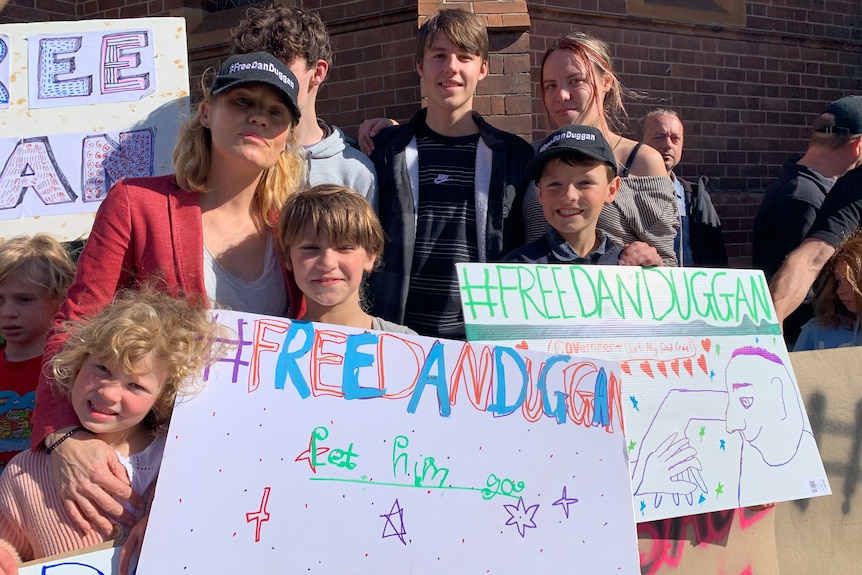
<point x="521" y="516"/>
<point x="389" y="528"/>
<point x="565" y="501"/>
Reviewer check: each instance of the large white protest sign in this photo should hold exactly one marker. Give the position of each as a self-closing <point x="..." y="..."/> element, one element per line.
<point x="326" y="449"/>
<point x="713" y="416"/>
<point x="83" y="104"/>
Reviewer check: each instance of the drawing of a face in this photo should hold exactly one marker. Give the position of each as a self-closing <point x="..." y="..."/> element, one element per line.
<point x="755" y="401"/>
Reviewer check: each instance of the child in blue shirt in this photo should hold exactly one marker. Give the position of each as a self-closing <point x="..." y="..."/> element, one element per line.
<point x="576" y="175"/>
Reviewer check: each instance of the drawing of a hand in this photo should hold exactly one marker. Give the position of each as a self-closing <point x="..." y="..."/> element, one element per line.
<point x="674" y="469"/>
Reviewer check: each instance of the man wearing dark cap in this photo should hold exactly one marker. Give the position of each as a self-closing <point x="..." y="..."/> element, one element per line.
<point x="840" y="212"/>
<point x="576" y="175"/>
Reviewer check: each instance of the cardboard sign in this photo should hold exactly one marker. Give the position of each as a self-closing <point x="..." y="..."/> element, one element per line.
<point x="825" y="532"/>
<point x="326" y="449"/>
<point x="714" y="419"/>
<point x="83" y="104"/>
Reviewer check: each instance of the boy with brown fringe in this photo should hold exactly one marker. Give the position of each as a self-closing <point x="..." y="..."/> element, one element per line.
<point x="450" y="184"/>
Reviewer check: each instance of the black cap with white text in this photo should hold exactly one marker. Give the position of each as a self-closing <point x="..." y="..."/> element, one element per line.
<point x="258" y="68"/>
<point x="572" y="138"/>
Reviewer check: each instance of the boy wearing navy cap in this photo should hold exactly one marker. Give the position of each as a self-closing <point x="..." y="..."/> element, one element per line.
<point x="576" y="175"/>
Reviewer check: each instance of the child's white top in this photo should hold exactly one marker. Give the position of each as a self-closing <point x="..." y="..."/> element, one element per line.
<point x="143" y="467"/>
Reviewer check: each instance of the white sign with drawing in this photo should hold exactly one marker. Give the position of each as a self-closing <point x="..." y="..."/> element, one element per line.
<point x="326" y="449"/>
<point x="83" y="104"/>
<point x="714" y="418"/>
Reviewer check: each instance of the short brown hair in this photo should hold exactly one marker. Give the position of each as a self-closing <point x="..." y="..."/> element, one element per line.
<point x="181" y="336"/>
<point x="464" y="29"/>
<point x="576" y="158"/>
<point x="336" y="213"/>
<point x="40" y="260"/>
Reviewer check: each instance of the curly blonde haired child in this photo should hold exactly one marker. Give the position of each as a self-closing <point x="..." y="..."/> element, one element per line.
<point x="122" y="371"/>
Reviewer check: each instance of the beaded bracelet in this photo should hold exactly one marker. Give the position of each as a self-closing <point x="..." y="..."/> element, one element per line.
<point x="65" y="436"/>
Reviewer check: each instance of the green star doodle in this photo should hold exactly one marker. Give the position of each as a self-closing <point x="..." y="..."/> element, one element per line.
<point x="718" y="349"/>
<point x="702" y="432"/>
<point x="632" y="444"/>
<point x="720" y="489"/>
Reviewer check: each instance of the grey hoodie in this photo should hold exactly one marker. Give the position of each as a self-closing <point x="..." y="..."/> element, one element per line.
<point x="333" y="161"/>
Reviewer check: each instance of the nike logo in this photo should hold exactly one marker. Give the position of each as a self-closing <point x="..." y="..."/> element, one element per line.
<point x="441" y="178"/>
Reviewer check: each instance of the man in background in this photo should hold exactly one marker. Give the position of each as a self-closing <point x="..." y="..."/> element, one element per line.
<point x="791" y="204"/>
<point x="699" y="241"/>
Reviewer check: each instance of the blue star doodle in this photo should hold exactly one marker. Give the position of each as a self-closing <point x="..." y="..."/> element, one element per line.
<point x="389" y="528"/>
<point x="521" y="516"/>
<point x="643" y="506"/>
<point x="634" y="401"/>
<point x="721" y="444"/>
<point x="565" y="501"/>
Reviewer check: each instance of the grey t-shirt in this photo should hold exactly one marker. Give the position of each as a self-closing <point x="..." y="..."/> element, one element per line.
<point x="266" y="295"/>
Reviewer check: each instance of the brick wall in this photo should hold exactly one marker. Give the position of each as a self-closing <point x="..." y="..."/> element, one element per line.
<point x="92" y="9"/>
<point x="373" y="73"/>
<point x="17" y="11"/>
<point x="42" y="10"/>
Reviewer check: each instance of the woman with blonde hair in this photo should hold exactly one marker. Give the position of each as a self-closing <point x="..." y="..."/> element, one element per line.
<point x="204" y="233"/>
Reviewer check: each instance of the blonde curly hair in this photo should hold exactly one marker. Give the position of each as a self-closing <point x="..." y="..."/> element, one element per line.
<point x="180" y="336"/>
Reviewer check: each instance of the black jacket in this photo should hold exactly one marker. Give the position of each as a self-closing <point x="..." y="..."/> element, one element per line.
<point x="504" y="225"/>
<point x="704" y="227"/>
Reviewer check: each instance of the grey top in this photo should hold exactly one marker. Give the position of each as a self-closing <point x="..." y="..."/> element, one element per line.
<point x="266" y="295"/>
